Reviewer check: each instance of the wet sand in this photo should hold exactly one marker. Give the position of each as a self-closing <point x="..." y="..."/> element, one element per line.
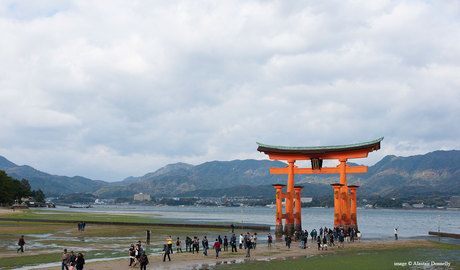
<point x="183" y="261"/>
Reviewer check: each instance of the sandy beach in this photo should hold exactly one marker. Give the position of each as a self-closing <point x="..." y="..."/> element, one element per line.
<point x="183" y="261"/>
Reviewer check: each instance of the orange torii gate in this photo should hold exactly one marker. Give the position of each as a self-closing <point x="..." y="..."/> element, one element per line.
<point x="344" y="195"/>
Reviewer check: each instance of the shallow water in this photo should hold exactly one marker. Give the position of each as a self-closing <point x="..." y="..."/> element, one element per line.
<point x="373" y="223"/>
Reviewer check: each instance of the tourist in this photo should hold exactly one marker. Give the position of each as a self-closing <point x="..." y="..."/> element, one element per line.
<point x="254" y="241"/>
<point x="169" y="241"/>
<point x="241" y="239"/>
<point x="178" y="245"/>
<point x="358" y="235"/>
<point x="216" y="247"/>
<point x="341" y="239"/>
<point x="219" y="239"/>
<point x="21" y="244"/>
<point x="313" y="234"/>
<point x="269" y="240"/>
<point x="248" y="246"/>
<point x="233" y="228"/>
<point x="65" y="260"/>
<point x="225" y="243"/>
<point x="396" y="233"/>
<point x="79" y="261"/>
<point x="288" y="241"/>
<point x="318" y="241"/>
<point x="166" y="252"/>
<point x="188" y="244"/>
<point x="205" y="245"/>
<point x="195" y="245"/>
<point x="72" y="259"/>
<point x="233" y="243"/>
<point x="144" y="260"/>
<point x="132" y="254"/>
<point x="324" y="242"/>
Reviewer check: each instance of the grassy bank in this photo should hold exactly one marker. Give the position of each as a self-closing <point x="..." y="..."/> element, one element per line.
<point x="359" y="258"/>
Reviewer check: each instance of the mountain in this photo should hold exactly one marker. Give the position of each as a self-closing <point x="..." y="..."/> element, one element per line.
<point x="51" y="185"/>
<point x="178" y="178"/>
<point x="434" y="173"/>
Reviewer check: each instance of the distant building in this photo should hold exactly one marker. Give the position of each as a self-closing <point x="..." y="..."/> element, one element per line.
<point x="406" y="205"/>
<point x="418" y="205"/>
<point x="454" y="202"/>
<point x="306" y="199"/>
<point x="142" y="197"/>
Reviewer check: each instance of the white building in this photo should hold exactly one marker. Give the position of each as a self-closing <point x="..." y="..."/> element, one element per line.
<point x="142" y="197"/>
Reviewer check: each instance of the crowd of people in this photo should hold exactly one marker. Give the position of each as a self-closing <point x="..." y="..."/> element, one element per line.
<point x="72" y="261"/>
<point x="324" y="237"/>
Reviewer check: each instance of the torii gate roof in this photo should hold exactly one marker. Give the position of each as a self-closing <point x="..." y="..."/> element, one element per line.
<point x="319" y="150"/>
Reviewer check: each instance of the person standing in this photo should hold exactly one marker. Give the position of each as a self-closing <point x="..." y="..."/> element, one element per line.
<point x="248" y="245"/>
<point x="169" y="241"/>
<point x="396" y="233"/>
<point x="178" y="245"/>
<point x="233" y="228"/>
<point x="269" y="240"/>
<point x="225" y="243"/>
<point x="241" y="241"/>
<point x="233" y="243"/>
<point x="21" y="244"/>
<point x="65" y="260"/>
<point x="254" y="241"/>
<point x="216" y="247"/>
<point x="79" y="261"/>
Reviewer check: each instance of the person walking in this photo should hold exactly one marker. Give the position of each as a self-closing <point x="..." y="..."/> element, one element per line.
<point x="65" y="260"/>
<point x="216" y="247"/>
<point x="288" y="240"/>
<point x="132" y="254"/>
<point x="72" y="259"/>
<point x="143" y="261"/>
<point x="169" y="241"/>
<point x="21" y="244"/>
<point x="205" y="245"/>
<point x="166" y="252"/>
<point x="79" y="261"/>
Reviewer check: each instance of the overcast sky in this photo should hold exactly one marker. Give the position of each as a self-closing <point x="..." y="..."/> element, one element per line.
<point x="109" y="89"/>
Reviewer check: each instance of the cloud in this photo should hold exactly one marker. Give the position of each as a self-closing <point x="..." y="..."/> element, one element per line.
<point x="109" y="89"/>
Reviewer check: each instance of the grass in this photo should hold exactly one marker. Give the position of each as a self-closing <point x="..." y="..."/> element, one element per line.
<point x="63" y="235"/>
<point x="20" y="260"/>
<point x="354" y="259"/>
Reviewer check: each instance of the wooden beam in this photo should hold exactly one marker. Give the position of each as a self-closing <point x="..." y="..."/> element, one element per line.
<point x="336" y="170"/>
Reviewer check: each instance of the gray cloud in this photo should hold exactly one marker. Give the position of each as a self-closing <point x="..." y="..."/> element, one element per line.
<point x="112" y="89"/>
